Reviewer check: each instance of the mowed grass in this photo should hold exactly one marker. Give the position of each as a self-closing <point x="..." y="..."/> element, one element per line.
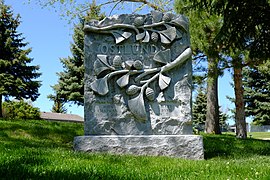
<point x="43" y="150"/>
<point x="259" y="135"/>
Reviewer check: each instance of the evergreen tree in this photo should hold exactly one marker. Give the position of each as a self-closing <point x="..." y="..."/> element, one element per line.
<point x="16" y="76"/>
<point x="58" y="104"/>
<point x="204" y="27"/>
<point x="199" y="111"/>
<point x="257" y="93"/>
<point x="70" y="87"/>
<point x="245" y="27"/>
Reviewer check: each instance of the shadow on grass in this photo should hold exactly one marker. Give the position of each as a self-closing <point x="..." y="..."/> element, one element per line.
<point x="225" y="146"/>
<point x="38" y="133"/>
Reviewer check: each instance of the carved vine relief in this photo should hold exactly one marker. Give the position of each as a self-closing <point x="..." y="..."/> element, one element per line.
<point x="144" y="33"/>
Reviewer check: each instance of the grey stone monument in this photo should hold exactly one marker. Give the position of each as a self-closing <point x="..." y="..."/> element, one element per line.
<point x="138" y="74"/>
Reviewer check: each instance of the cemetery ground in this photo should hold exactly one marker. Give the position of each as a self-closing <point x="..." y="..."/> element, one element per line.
<point x="38" y="149"/>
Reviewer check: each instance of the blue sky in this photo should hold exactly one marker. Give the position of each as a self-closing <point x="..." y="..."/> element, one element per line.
<point x="49" y="36"/>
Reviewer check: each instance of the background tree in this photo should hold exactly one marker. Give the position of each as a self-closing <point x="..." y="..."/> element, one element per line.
<point x="199" y="109"/>
<point x="58" y="104"/>
<point x="16" y="75"/>
<point x="245" y="28"/>
<point x="70" y="86"/>
<point x="204" y="27"/>
<point x="256" y="84"/>
<point x="199" y="112"/>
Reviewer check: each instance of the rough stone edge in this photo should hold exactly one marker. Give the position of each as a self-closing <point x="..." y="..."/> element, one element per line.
<point x="180" y="146"/>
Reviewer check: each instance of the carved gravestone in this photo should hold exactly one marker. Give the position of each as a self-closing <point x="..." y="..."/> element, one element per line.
<point x="138" y="74"/>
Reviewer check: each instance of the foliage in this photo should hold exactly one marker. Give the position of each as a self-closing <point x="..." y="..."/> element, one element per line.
<point x="20" y="110"/>
<point x="246" y="24"/>
<point x="204" y="27"/>
<point x="70" y="86"/>
<point x="244" y="33"/>
<point x="42" y="150"/>
<point x="58" y="105"/>
<point x="70" y="9"/>
<point x="257" y="89"/>
<point x="199" y="112"/>
<point x="16" y="75"/>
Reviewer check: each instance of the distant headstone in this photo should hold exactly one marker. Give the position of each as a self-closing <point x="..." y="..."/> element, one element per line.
<point x="138" y="74"/>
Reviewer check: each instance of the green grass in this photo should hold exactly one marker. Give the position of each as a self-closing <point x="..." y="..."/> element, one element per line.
<point x="43" y="150"/>
<point x="260" y="135"/>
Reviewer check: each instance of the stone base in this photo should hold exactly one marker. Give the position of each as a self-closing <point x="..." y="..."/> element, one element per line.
<point x="182" y="146"/>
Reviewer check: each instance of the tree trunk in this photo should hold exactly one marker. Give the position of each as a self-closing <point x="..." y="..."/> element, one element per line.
<point x="1" y="110"/>
<point x="212" y="114"/>
<point x="241" y="130"/>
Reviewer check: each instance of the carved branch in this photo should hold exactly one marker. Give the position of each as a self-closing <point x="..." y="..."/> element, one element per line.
<point x="88" y="28"/>
<point x="154" y="24"/>
<point x="179" y="60"/>
<point x="147" y="82"/>
<point x="147" y="72"/>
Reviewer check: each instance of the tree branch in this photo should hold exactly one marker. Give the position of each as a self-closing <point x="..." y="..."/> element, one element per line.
<point x="145" y="2"/>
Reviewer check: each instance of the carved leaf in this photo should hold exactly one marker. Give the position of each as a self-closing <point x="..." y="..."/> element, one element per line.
<point x="120" y="36"/>
<point x="169" y="33"/>
<point x="146" y="37"/>
<point x="103" y="59"/>
<point x="163" y="56"/>
<point x="129" y="64"/>
<point x="163" y="81"/>
<point x="101" y="64"/>
<point x="137" y="108"/>
<point x="182" y="22"/>
<point x="157" y="16"/>
<point x="140" y="36"/>
<point x="126" y="34"/>
<point x="123" y="81"/>
<point x="100" y="86"/>
<point x="164" y="39"/>
<point x="178" y="34"/>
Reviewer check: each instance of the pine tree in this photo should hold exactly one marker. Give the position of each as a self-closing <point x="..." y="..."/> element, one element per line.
<point x="257" y="93"/>
<point x="16" y="76"/>
<point x="58" y="104"/>
<point x="204" y="27"/>
<point x="245" y="27"/>
<point x="199" y="111"/>
<point x="70" y="87"/>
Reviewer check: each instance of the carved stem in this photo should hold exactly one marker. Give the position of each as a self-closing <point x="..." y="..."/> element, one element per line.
<point x="116" y="73"/>
<point x="147" y="82"/>
<point x="146" y="72"/>
<point x="88" y="28"/>
<point x="154" y="24"/>
<point x="179" y="60"/>
<point x="131" y="72"/>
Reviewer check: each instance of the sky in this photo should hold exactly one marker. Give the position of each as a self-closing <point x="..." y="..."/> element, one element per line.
<point x="50" y="37"/>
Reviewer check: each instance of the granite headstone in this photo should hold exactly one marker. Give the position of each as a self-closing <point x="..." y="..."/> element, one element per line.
<point x="138" y="74"/>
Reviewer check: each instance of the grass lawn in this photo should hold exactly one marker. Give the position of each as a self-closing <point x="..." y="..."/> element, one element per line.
<point x="260" y="135"/>
<point x="43" y="150"/>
